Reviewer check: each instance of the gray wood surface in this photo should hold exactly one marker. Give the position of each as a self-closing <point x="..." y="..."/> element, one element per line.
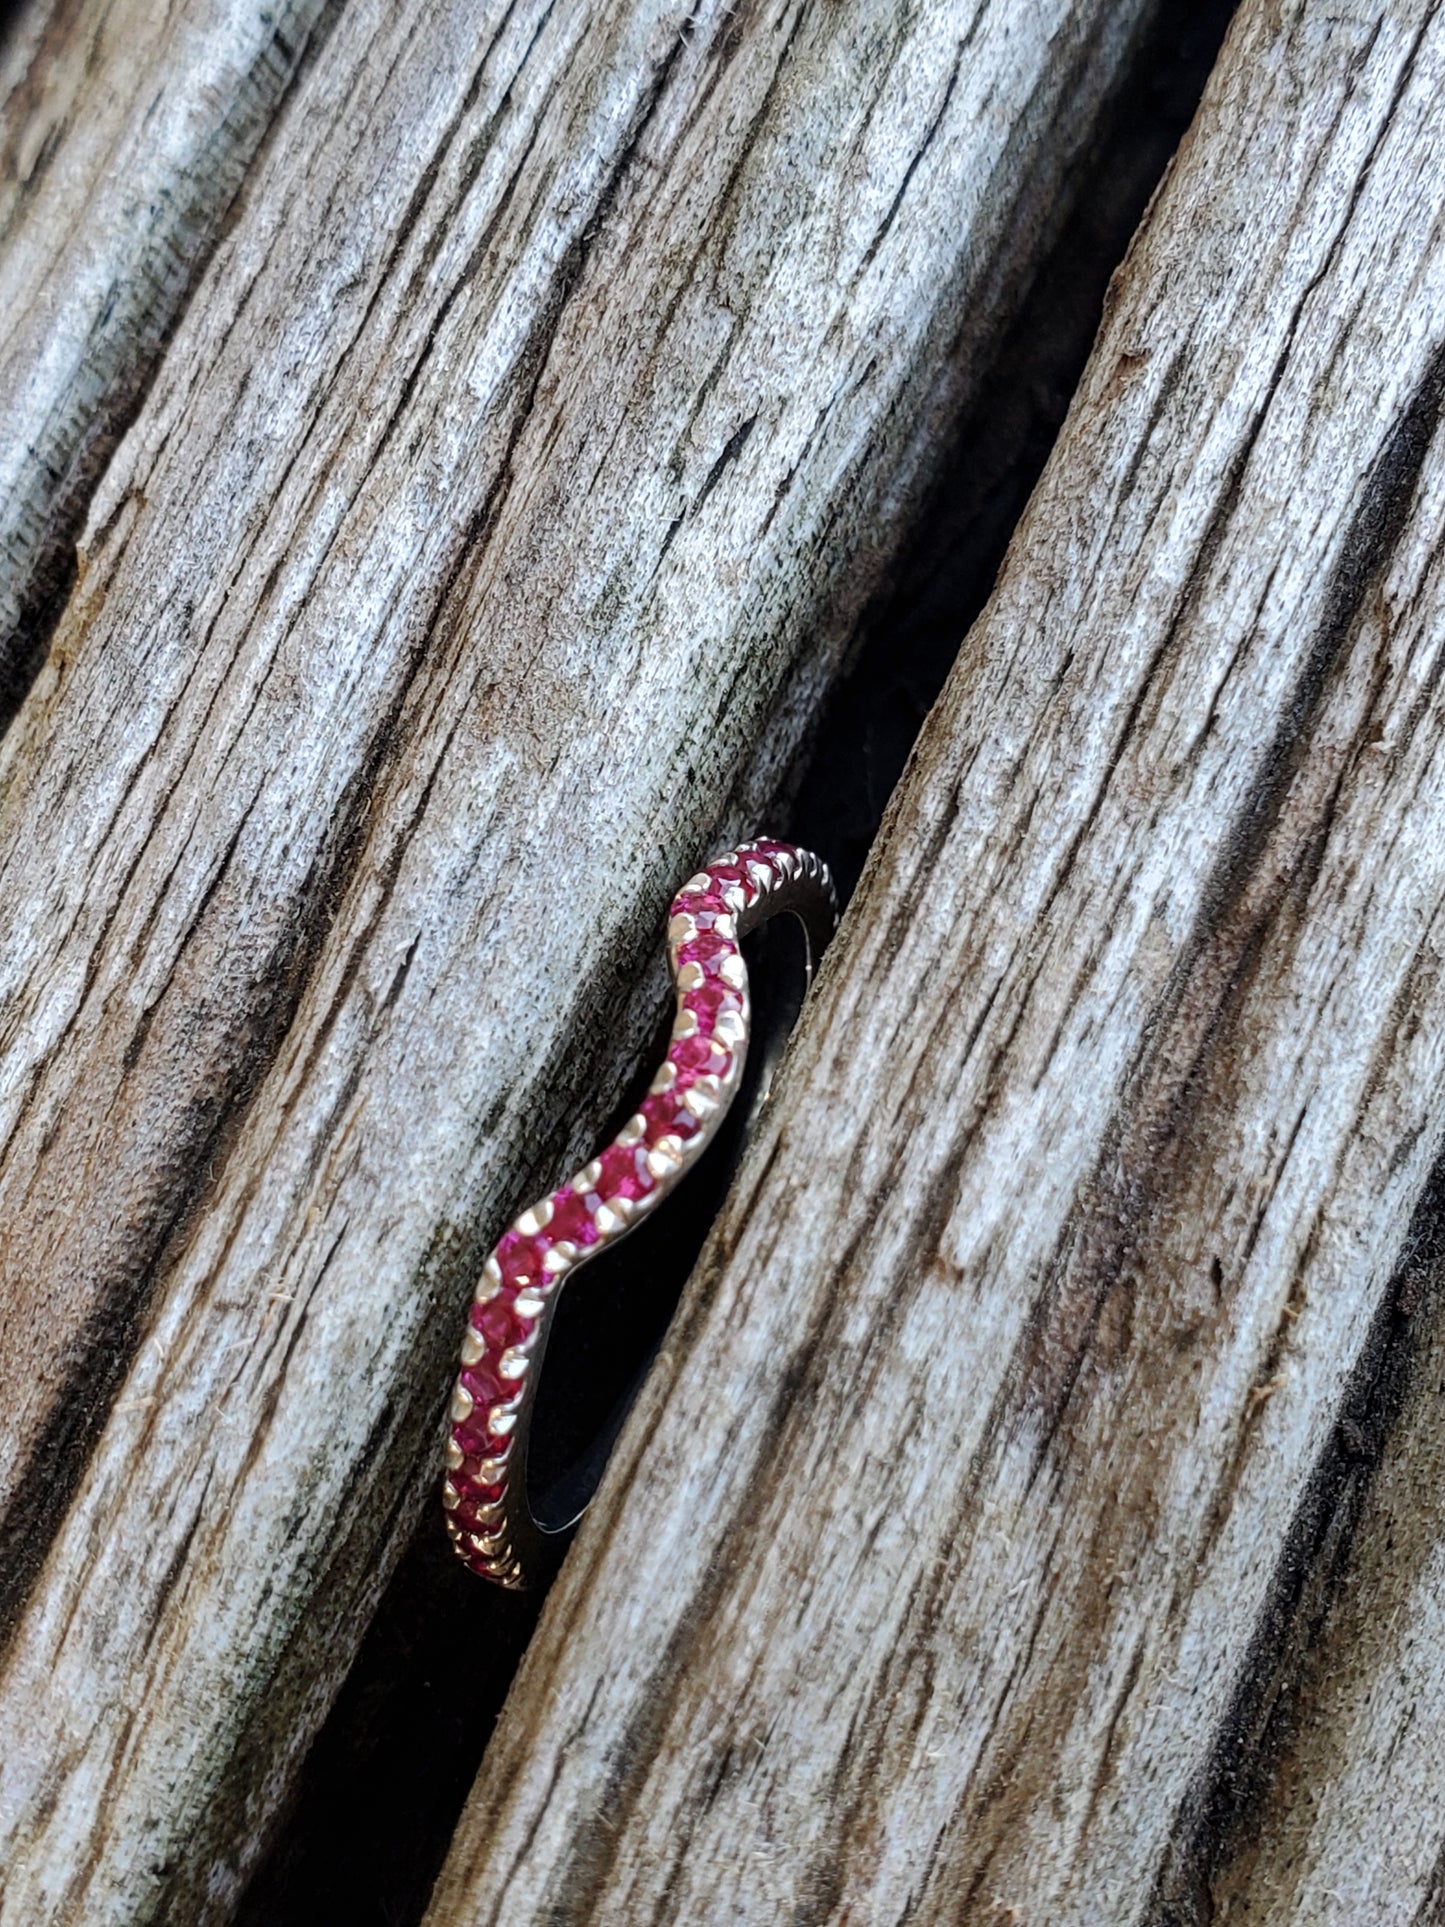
<point x="1332" y="1808"/>
<point x="491" y="528"/>
<point x="125" y="130"/>
<point x="929" y="1567"/>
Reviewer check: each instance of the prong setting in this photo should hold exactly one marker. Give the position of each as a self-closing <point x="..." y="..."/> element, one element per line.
<point x="486" y="1512"/>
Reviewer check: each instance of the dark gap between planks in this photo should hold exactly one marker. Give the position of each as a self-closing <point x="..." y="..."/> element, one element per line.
<point x="383" y="1786"/>
<point x="1229" y="1806"/>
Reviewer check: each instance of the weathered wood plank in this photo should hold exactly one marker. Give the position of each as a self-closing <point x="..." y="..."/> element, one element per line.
<point x="1336" y="1812"/>
<point x="494" y="521"/>
<point x="125" y="131"/>
<point x="926" y="1571"/>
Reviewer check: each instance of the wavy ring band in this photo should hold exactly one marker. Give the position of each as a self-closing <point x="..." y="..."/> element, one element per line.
<point x="488" y="1515"/>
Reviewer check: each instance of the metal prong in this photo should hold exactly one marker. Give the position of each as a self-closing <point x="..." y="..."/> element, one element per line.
<point x="665" y="1156"/>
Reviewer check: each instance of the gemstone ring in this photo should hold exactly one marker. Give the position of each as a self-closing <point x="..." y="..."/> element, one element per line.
<point x="502" y="1522"/>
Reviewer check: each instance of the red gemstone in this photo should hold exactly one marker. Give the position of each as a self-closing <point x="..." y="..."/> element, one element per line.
<point x="571" y="1220"/>
<point x="466" y="1513"/>
<point x="660" y="1111"/>
<point x="500" y="1325"/>
<point x="725" y="873"/>
<point x="699" y="904"/>
<point x="708" y="1001"/>
<point x="623" y="1173"/>
<point x="520" y="1258"/>
<point x="484" y="1387"/>
<point x="473" y="1439"/>
<point x="704" y="947"/>
<point x="475" y="1495"/>
<point x="694" y="1054"/>
<point x="666" y="1116"/>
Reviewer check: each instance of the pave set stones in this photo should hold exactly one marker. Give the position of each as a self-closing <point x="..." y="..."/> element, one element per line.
<point x="683" y="1106"/>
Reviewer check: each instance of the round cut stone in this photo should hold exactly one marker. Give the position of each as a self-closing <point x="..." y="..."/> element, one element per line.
<point x="667" y="1117"/>
<point x="623" y="1173"/>
<point x="708" y="1002"/>
<point x="571" y="1220"/>
<point x="704" y="947"/>
<point x="500" y="1325"/>
<point x="693" y="903"/>
<point x="693" y="1054"/>
<point x="484" y="1387"/>
<point x="520" y="1258"/>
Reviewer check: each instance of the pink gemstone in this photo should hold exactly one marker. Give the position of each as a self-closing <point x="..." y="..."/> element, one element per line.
<point x="466" y="1513"/>
<point x="520" y="1258"/>
<point x="660" y="1111"/>
<point x="701" y="903"/>
<point x="484" y="1387"/>
<point x="500" y="1325"/>
<point x="725" y="873"/>
<point x="623" y="1173"/>
<point x="571" y="1220"/>
<point x="686" y="1078"/>
<point x="473" y="1439"/>
<point x="708" y="1001"/>
<point x="666" y="1117"/>
<point x="692" y="1053"/>
<point x="465" y="1477"/>
<point x="704" y="947"/>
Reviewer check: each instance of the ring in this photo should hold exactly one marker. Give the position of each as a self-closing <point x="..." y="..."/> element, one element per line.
<point x="719" y="1046"/>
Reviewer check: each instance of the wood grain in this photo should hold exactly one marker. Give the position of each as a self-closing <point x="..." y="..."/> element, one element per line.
<point x="1332" y="1807"/>
<point x="125" y="131"/>
<point x="492" y="526"/>
<point x="929" y="1567"/>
